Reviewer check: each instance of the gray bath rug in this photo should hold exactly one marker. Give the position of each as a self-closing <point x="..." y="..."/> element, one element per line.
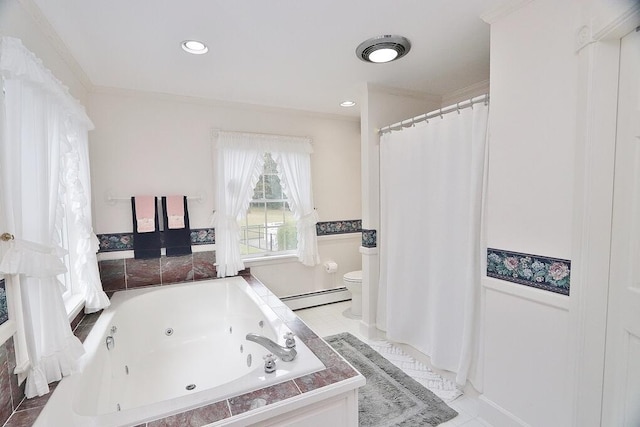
<point x="444" y="388"/>
<point x="390" y="397"/>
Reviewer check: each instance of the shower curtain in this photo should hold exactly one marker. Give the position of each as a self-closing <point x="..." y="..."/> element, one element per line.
<point x="431" y="179"/>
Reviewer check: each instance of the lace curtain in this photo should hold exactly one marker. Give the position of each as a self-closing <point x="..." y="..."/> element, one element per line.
<point x="239" y="165"/>
<point x="44" y="162"/>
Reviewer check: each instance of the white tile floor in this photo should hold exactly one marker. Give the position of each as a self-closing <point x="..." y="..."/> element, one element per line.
<point x="330" y="320"/>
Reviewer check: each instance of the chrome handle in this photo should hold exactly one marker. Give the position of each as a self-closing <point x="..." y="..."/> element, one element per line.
<point x="289" y="340"/>
<point x="5" y="237"/>
<point x="269" y="363"/>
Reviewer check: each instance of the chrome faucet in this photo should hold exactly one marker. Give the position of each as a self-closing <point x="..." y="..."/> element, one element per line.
<point x="285" y="354"/>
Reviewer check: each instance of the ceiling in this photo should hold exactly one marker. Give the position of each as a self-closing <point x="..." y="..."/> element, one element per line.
<point x="296" y="54"/>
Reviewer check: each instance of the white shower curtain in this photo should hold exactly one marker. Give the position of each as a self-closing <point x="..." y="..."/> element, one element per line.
<point x="431" y="179"/>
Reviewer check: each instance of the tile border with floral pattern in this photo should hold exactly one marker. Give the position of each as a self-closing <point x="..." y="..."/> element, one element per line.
<point x="112" y="242"/>
<point x="328" y="228"/>
<point x="4" y="312"/>
<point x="549" y="274"/>
<point x="369" y="238"/>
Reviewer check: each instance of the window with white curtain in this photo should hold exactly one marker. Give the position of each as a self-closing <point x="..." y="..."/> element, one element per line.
<point x="269" y="227"/>
<point x="267" y="186"/>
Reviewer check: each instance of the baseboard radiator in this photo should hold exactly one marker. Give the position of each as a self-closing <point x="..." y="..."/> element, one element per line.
<point x="314" y="299"/>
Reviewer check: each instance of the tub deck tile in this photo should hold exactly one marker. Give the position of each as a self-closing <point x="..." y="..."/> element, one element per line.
<point x="332" y="375"/>
<point x="24" y="418"/>
<point x="196" y="417"/>
<point x="262" y="397"/>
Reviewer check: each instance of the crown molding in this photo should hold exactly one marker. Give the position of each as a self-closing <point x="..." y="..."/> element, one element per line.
<point x="389" y="90"/>
<point x="466" y="93"/>
<point x="503" y="10"/>
<point x="61" y="48"/>
<point x="211" y="102"/>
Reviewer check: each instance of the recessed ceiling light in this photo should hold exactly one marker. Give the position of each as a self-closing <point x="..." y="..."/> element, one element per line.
<point x="347" y="104"/>
<point x="383" y="49"/>
<point x="195" y="47"/>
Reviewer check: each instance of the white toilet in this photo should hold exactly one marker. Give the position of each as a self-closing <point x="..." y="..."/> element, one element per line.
<point x="353" y="281"/>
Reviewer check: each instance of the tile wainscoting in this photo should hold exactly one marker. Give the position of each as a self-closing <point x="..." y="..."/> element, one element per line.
<point x="549" y="274"/>
<point x="128" y="273"/>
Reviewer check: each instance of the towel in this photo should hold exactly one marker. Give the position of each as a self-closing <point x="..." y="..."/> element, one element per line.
<point x="145" y="211"/>
<point x="146" y="244"/>
<point x="177" y="241"/>
<point x="175" y="212"/>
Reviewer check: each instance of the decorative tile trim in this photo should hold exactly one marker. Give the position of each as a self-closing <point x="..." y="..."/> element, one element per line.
<point x="115" y="242"/>
<point x="124" y="241"/>
<point x="4" y="311"/>
<point x="112" y="242"/>
<point x="369" y="238"/>
<point x="203" y="236"/>
<point x="327" y="228"/>
<point x="549" y="274"/>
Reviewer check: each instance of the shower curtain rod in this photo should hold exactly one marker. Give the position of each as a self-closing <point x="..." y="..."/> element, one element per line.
<point x="436" y="113"/>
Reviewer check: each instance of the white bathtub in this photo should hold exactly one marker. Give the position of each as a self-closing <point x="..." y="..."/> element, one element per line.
<point x="175" y="348"/>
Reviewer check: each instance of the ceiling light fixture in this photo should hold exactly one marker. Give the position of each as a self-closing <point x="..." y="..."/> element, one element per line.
<point x="383" y="49"/>
<point x="347" y="104"/>
<point x="195" y="47"/>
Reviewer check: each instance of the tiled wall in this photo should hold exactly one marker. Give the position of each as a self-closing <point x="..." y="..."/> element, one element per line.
<point x="128" y="273"/>
<point x="10" y="393"/>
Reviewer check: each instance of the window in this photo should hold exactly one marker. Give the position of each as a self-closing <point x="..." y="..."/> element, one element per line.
<point x="269" y="226"/>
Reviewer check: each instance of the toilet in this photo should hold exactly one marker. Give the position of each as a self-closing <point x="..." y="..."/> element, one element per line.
<point x="353" y="281"/>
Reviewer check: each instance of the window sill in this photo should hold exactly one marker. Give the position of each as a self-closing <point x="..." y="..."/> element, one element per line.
<point x="270" y="259"/>
<point x="73" y="305"/>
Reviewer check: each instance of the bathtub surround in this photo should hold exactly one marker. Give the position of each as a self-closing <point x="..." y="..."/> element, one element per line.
<point x="128" y="273"/>
<point x="257" y="405"/>
<point x="390" y="396"/>
<point x="549" y="274"/>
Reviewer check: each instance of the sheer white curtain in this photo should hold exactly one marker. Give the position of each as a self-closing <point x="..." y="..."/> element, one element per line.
<point x="295" y="175"/>
<point x="238" y="168"/>
<point x="83" y="242"/>
<point x="240" y="159"/>
<point x="431" y="202"/>
<point x="40" y="123"/>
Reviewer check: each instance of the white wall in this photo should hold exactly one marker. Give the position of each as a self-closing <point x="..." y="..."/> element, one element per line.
<point x="155" y="144"/>
<point x="527" y="373"/>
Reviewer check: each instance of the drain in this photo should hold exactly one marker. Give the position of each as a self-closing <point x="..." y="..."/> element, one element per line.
<point x="190" y="387"/>
<point x="168" y="332"/>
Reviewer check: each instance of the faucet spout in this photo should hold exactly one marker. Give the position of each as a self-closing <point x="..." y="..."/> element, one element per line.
<point x="285" y="354"/>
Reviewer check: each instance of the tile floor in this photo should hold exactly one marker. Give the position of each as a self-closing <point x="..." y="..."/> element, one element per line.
<point x="330" y="320"/>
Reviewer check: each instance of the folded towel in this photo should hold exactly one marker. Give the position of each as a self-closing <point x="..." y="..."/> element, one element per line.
<point x="177" y="241"/>
<point x="175" y="212"/>
<point x="145" y="208"/>
<point x="146" y="244"/>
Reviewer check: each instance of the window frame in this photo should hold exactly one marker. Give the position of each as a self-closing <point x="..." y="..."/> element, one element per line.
<point x="264" y="225"/>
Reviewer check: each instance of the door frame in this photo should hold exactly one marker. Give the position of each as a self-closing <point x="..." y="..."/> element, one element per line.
<point x="598" y="51"/>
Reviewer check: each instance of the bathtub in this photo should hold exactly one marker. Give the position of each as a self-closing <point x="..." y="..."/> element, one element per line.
<point x="174" y="348"/>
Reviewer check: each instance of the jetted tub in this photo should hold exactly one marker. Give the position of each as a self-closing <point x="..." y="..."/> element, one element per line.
<point x="174" y="348"/>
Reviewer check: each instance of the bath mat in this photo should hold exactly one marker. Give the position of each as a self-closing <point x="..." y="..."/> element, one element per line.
<point x="444" y="388"/>
<point x="390" y="397"/>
